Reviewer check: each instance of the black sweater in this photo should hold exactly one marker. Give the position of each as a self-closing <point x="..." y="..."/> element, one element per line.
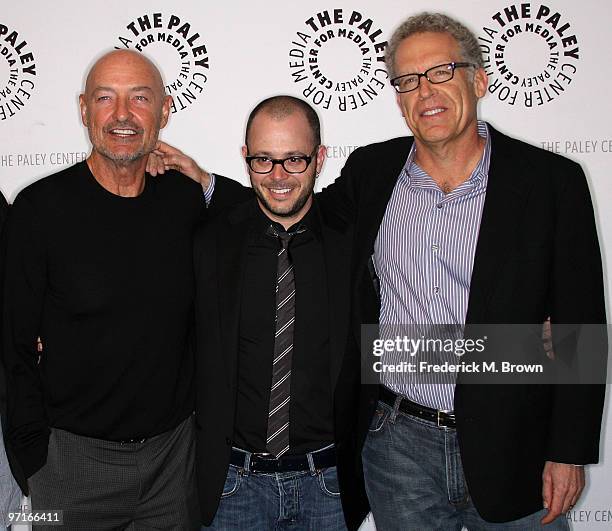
<point x="107" y="283"/>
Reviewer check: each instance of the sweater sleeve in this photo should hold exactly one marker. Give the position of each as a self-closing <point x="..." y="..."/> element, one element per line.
<point x="24" y="289"/>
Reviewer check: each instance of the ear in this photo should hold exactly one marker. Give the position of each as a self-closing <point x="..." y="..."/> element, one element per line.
<point x="165" y="111"/>
<point x="83" y="106"/>
<point x="320" y="155"/>
<point x="398" y="100"/>
<point x="481" y="82"/>
<point x="245" y="152"/>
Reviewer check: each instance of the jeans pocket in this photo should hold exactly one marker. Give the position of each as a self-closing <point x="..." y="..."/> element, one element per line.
<point x="232" y="481"/>
<point x="379" y="419"/>
<point x="328" y="481"/>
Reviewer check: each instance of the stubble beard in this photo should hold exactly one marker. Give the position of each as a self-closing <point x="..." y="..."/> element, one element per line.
<point x="122" y="159"/>
<point x="294" y="209"/>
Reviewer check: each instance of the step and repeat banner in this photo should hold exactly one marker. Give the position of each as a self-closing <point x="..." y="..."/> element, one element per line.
<point x="548" y="63"/>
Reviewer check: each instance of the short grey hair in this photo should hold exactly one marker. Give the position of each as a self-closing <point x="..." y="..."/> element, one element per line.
<point x="437" y="23"/>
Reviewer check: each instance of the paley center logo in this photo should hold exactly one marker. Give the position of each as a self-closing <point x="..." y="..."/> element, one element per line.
<point x="17" y="72"/>
<point x="177" y="47"/>
<point x="531" y="54"/>
<point x="338" y="59"/>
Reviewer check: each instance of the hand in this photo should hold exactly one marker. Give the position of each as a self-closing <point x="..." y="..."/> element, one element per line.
<point x="165" y="157"/>
<point x="562" y="485"/>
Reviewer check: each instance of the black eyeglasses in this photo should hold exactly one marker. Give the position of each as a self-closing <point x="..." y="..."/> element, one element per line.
<point x="293" y="164"/>
<point x="435" y="75"/>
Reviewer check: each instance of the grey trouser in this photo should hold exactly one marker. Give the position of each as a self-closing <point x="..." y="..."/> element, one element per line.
<point x="106" y="485"/>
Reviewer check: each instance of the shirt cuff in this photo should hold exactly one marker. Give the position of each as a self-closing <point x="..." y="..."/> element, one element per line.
<point x="208" y="193"/>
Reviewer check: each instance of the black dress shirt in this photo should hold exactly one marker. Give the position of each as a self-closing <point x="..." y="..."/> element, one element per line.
<point x="311" y="418"/>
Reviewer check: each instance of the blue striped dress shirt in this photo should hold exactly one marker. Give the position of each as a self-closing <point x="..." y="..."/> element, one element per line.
<point x="423" y="256"/>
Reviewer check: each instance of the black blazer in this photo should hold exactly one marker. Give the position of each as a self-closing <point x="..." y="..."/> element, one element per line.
<point x="3" y="213"/>
<point x="537" y="256"/>
<point x="12" y="459"/>
<point x="219" y="257"/>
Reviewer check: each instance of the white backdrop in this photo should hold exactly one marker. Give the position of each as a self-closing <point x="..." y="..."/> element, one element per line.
<point x="549" y="85"/>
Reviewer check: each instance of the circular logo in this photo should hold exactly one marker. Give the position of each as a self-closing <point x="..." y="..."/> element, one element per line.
<point x="338" y="60"/>
<point x="531" y="54"/>
<point x="177" y="48"/>
<point x="17" y="72"/>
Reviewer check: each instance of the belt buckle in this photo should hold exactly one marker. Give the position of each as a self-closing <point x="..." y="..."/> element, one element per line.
<point x="267" y="462"/>
<point x="265" y="456"/>
<point x="450" y="417"/>
<point x="441" y="419"/>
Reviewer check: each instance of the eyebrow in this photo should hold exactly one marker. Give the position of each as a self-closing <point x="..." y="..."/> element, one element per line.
<point x="132" y="89"/>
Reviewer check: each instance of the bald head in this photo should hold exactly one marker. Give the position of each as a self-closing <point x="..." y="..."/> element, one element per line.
<point x="128" y="60"/>
<point x="279" y="107"/>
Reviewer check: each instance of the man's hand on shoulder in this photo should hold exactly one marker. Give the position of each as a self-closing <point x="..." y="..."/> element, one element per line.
<point x="166" y="157"/>
<point x="562" y="485"/>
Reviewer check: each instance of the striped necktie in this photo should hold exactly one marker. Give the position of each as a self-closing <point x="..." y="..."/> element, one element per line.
<point x="277" y="441"/>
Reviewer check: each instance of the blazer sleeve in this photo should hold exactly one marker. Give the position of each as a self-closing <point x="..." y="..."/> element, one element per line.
<point x="342" y="196"/>
<point x="3" y="210"/>
<point x="577" y="298"/>
<point x="24" y="290"/>
<point x="227" y="193"/>
<point x="3" y="215"/>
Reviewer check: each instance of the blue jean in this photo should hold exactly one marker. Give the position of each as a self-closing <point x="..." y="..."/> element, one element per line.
<point x="414" y="479"/>
<point x="306" y="500"/>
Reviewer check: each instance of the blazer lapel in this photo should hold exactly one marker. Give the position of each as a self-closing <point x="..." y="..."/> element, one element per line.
<point x="507" y="190"/>
<point x="380" y="188"/>
<point x="380" y="184"/>
<point x="337" y="238"/>
<point x="231" y="255"/>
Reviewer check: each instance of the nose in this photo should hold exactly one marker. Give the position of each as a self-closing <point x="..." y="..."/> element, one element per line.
<point x="278" y="173"/>
<point x="426" y="88"/>
<point x="122" y="109"/>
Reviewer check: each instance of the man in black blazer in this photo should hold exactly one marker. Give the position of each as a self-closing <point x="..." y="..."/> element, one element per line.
<point x="10" y="496"/>
<point x="266" y="355"/>
<point x="463" y="225"/>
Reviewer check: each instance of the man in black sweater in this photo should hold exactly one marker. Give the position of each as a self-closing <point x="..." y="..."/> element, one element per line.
<point x="99" y="265"/>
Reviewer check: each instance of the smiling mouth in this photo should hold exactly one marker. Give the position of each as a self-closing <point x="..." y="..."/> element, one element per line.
<point x="280" y="191"/>
<point x="123" y="133"/>
<point x="123" y="130"/>
<point x="433" y="112"/>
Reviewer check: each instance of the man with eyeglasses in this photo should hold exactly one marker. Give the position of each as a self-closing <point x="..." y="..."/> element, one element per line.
<point x="461" y="225"/>
<point x="277" y="392"/>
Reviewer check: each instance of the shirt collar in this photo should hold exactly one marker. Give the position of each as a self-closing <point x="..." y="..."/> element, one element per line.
<point x="416" y="176"/>
<point x="310" y="221"/>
